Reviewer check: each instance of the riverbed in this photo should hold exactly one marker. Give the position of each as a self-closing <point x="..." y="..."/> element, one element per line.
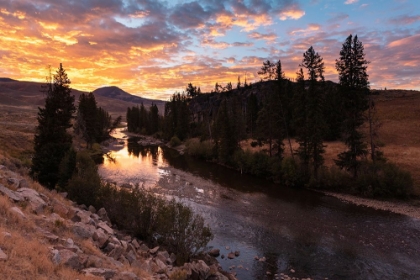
<point x="275" y="229"/>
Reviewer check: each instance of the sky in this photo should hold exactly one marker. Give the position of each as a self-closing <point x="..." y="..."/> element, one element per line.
<point x="153" y="48"/>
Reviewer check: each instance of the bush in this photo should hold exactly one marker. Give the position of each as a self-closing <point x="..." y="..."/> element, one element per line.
<point x="156" y="221"/>
<point x="384" y="180"/>
<point x="181" y="230"/>
<point x="175" y="141"/>
<point x="84" y="185"/>
<point x="200" y="149"/>
<point x="291" y="173"/>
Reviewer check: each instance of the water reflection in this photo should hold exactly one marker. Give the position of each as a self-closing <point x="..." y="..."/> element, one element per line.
<point x="317" y="236"/>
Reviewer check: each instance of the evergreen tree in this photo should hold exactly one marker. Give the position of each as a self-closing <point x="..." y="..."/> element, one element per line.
<point x="252" y="114"/>
<point x="225" y="136"/>
<point x="314" y="65"/>
<point x="87" y="119"/>
<point x="354" y="88"/>
<point x="52" y="141"/>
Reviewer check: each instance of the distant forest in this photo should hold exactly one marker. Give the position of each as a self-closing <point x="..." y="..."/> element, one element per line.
<point x="275" y="110"/>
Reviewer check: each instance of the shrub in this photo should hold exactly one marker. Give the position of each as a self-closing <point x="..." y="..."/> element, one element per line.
<point x="200" y="149"/>
<point x="175" y="141"/>
<point x="385" y="180"/>
<point x="290" y="173"/>
<point x="83" y="187"/>
<point x="181" y="230"/>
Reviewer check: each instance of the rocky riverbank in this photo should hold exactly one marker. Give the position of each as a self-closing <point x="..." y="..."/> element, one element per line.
<point x="82" y="239"/>
<point x="410" y="208"/>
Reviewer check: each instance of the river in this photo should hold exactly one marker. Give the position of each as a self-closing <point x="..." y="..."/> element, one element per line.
<point x="315" y="235"/>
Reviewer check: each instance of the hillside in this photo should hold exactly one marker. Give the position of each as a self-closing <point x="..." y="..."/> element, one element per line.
<point x="117" y="93"/>
<point x="113" y="99"/>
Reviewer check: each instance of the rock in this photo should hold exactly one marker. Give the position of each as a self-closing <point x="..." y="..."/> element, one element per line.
<point x="6" y="234"/>
<point x="101" y="272"/>
<point x="160" y="266"/>
<point x="100" y="237"/>
<point x="131" y="256"/>
<point x="231" y="255"/>
<point x="103" y="215"/>
<point x="237" y="253"/>
<point x="3" y="256"/>
<point x="92" y="209"/>
<point x="292" y="270"/>
<point x="83" y="230"/>
<point x="154" y="250"/>
<point x="2" y="167"/>
<point x="10" y="194"/>
<point x="136" y="244"/>
<point x="222" y="256"/>
<point x="13" y="181"/>
<point x="18" y="211"/>
<point x="227" y="248"/>
<point x="172" y="258"/>
<point x="126" y="275"/>
<point x="263" y="259"/>
<point x="143" y="247"/>
<point x="67" y="258"/>
<point x="163" y="256"/>
<point x="36" y="202"/>
<point x="116" y="252"/>
<point x="63" y="194"/>
<point x="130" y="248"/>
<point x="106" y="228"/>
<point x="203" y="269"/>
<point x="59" y="208"/>
<point x="23" y="184"/>
<point x="83" y="217"/>
<point x="93" y="261"/>
<point x="214" y="252"/>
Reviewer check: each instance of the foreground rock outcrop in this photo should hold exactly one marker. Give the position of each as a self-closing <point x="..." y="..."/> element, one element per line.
<point x="86" y="241"/>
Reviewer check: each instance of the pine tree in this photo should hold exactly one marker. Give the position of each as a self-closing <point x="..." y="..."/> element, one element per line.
<point x="354" y="88"/>
<point x="87" y="119"/>
<point x="314" y="65"/>
<point x="52" y="141"/>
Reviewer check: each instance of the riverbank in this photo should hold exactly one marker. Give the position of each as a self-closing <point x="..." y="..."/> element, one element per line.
<point x="410" y="208"/>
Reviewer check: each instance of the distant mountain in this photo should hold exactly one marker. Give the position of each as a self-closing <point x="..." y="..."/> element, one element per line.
<point x="117" y="93"/>
<point x="112" y="99"/>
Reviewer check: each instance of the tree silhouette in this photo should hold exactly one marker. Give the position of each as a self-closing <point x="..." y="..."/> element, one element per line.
<point x="52" y="141"/>
<point x="354" y="88"/>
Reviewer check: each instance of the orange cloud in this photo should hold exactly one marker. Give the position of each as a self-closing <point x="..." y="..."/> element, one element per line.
<point x="291" y="12"/>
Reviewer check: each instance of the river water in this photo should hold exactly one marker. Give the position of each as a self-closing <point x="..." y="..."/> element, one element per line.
<point x="315" y="235"/>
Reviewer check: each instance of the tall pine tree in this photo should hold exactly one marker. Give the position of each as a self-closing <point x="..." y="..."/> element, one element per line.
<point x="354" y="88"/>
<point x="52" y="140"/>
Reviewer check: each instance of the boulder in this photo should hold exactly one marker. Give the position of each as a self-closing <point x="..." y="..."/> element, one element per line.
<point x="103" y="215"/>
<point x="100" y="237"/>
<point x="160" y="266"/>
<point x="93" y="261"/>
<point x="83" y="217"/>
<point x="131" y="256"/>
<point x="214" y="252"/>
<point x="59" y="208"/>
<point x="116" y="252"/>
<point x="92" y="209"/>
<point x="136" y="244"/>
<point x="101" y="272"/>
<point x="106" y="228"/>
<point x="231" y="255"/>
<point x="67" y="258"/>
<point x="154" y="250"/>
<point x="10" y="194"/>
<point x="203" y="269"/>
<point x="35" y="200"/>
<point x="23" y="184"/>
<point x="14" y="182"/>
<point x="83" y="230"/>
<point x="164" y="257"/>
<point x="3" y="256"/>
<point x="18" y="212"/>
<point x="237" y="253"/>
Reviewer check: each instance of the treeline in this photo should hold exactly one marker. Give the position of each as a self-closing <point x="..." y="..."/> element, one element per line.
<point x="57" y="165"/>
<point x="143" y="120"/>
<point x="277" y="111"/>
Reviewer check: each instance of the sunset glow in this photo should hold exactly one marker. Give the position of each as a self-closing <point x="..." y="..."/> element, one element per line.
<point x="153" y="48"/>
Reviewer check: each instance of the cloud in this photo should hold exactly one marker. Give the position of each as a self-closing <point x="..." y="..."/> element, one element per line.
<point x="291" y="12"/>
<point x="404" y="20"/>
<point x="349" y="2"/>
<point x="260" y="36"/>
